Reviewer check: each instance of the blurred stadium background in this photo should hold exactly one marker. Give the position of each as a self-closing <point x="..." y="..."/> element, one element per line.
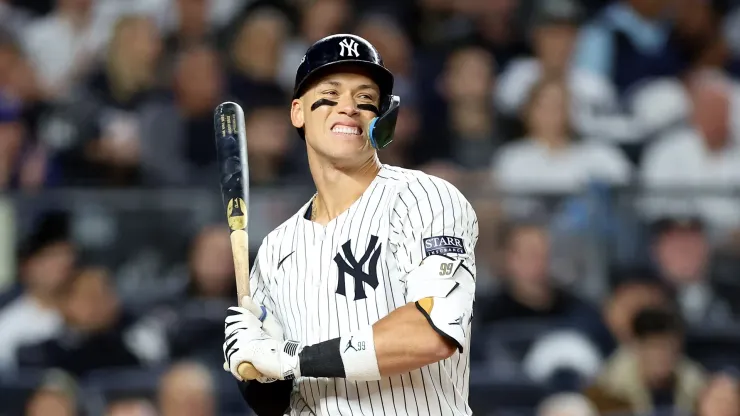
<point x="598" y="140"/>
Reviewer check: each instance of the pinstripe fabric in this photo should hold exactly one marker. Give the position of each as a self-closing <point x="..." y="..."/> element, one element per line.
<point x="400" y="207"/>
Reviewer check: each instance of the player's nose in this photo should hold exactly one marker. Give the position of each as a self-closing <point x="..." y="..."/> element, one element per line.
<point x="347" y="106"/>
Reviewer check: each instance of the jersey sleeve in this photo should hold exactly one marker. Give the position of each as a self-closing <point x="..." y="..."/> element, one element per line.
<point x="434" y="231"/>
<point x="432" y="217"/>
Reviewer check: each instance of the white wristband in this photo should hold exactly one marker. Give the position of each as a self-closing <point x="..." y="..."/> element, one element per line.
<point x="358" y="355"/>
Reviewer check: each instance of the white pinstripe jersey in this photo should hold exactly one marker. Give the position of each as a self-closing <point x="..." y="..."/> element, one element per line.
<point x="297" y="277"/>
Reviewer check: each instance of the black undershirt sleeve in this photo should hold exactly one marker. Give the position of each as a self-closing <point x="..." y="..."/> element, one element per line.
<point x="267" y="399"/>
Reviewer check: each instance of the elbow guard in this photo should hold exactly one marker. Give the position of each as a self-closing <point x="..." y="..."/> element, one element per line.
<point x="443" y="290"/>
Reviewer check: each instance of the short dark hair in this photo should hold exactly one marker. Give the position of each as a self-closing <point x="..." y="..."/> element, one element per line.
<point x="657" y="321"/>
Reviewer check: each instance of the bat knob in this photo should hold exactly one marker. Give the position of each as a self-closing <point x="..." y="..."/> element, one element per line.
<point x="248" y="372"/>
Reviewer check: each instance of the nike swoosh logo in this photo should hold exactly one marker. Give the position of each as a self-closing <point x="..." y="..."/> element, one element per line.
<point x="280" y="263"/>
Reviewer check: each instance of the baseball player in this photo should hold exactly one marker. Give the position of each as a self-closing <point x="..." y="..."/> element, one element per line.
<point x="361" y="302"/>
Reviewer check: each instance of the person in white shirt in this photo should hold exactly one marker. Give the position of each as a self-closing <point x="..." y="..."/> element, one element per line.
<point x="701" y="162"/>
<point x="550" y="159"/>
<point x="47" y="262"/>
<point x="595" y="110"/>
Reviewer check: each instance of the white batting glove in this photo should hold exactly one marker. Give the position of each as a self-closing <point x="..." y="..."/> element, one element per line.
<point x="240" y="324"/>
<point x="274" y="359"/>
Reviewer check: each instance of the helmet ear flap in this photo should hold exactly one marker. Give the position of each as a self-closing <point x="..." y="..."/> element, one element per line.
<point x="382" y="127"/>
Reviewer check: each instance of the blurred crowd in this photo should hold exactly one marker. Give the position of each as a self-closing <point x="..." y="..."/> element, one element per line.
<point x="597" y="139"/>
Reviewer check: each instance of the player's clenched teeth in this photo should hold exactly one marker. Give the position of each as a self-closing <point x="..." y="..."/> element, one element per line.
<point x="346" y="130"/>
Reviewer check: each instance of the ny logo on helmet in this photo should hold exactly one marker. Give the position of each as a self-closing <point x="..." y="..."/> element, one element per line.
<point x="349" y="47"/>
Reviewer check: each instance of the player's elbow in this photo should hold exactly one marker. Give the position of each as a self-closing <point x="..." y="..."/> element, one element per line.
<point x="438" y="348"/>
<point x="445" y="348"/>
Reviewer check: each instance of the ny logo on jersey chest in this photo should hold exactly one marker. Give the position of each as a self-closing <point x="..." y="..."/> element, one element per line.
<point x="353" y="267"/>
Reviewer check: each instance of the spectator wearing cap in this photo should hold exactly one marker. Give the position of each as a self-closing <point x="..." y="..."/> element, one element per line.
<point x="47" y="261"/>
<point x="699" y="164"/>
<point x="554" y="29"/>
<point x="682" y="256"/>
<point x="550" y="159"/>
<point x="651" y="373"/>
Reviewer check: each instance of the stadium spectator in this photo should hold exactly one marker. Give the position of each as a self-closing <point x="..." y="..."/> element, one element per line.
<point x="682" y="255"/>
<point x="177" y="128"/>
<point x="187" y="389"/>
<point x="630" y="41"/>
<point x="105" y="118"/>
<point x="528" y="291"/>
<point x="97" y="334"/>
<point x="651" y="373"/>
<point x="64" y="45"/>
<point x="550" y="159"/>
<point x="24" y="162"/>
<point x="464" y="129"/>
<point x="595" y="108"/>
<point x="46" y="264"/>
<point x="705" y="158"/>
<point x="256" y="56"/>
<point x="721" y="397"/>
<point x="197" y="311"/>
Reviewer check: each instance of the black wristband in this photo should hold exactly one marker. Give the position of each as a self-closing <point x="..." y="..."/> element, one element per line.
<point x="322" y="360"/>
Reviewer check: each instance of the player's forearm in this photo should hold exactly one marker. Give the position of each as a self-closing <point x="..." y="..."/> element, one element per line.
<point x="404" y="341"/>
<point x="401" y="342"/>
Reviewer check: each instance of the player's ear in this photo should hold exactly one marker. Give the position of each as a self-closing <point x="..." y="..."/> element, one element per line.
<point x="296" y="113"/>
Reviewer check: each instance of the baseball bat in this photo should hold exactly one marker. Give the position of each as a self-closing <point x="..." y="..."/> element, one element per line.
<point x="231" y="153"/>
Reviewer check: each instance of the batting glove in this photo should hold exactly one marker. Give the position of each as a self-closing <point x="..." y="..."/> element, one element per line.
<point x="240" y="324"/>
<point x="274" y="359"/>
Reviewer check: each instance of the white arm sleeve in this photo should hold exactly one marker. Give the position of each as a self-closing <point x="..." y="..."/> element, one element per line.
<point x="443" y="290"/>
<point x="434" y="224"/>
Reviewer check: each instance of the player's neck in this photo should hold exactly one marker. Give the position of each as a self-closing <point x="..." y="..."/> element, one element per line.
<point x="338" y="188"/>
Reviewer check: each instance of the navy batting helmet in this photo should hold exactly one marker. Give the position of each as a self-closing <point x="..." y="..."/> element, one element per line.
<point x="345" y="49"/>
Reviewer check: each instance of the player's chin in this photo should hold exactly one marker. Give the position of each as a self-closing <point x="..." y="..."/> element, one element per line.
<point x="348" y="154"/>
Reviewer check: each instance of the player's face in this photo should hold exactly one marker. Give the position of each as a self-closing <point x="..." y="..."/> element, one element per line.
<point x="336" y="113"/>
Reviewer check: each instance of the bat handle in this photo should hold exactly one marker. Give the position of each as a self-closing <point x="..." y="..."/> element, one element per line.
<point x="248" y="372"/>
